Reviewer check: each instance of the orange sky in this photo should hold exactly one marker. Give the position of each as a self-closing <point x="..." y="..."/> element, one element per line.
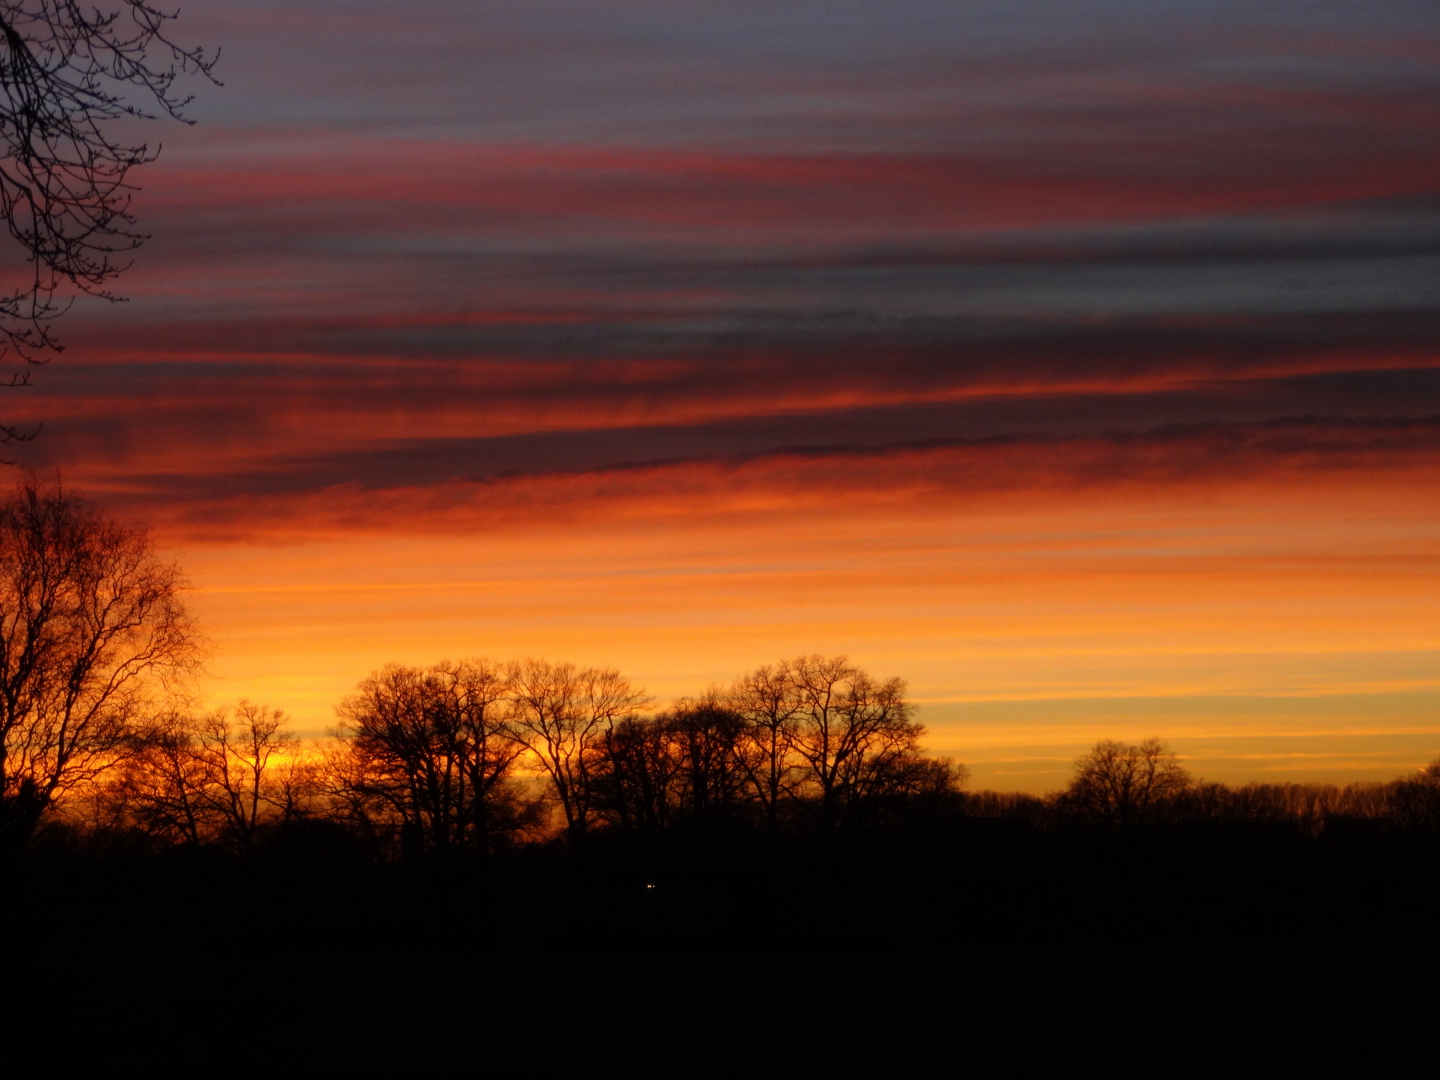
<point x="1280" y="625"/>
<point x="1079" y="364"/>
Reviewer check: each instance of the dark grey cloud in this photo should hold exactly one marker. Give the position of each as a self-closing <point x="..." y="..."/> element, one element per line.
<point x="465" y="241"/>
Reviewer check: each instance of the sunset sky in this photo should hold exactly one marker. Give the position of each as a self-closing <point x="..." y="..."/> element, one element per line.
<point x="1077" y="362"/>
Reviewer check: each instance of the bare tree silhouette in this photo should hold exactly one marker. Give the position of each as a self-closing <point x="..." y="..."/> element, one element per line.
<point x="638" y="772"/>
<point x="242" y="754"/>
<point x="432" y="748"/>
<point x="767" y="702"/>
<point x="708" y="735"/>
<point x="563" y="714"/>
<point x="219" y="777"/>
<point x="162" y="787"/>
<point x="1126" y="785"/>
<point x="1415" y="800"/>
<point x="855" y="735"/>
<point x="92" y="627"/>
<point x="68" y="73"/>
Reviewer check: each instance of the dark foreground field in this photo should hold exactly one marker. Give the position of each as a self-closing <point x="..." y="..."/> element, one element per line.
<point x="725" y="925"/>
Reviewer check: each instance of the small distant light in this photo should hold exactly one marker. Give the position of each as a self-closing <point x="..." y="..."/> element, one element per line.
<point x="648" y="886"/>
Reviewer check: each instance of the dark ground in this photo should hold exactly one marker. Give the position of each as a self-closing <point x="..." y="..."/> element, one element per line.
<point x="722" y="926"/>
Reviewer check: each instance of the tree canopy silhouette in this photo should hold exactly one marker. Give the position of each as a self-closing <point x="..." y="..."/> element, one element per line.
<point x="429" y="753"/>
<point x="1125" y="785"/>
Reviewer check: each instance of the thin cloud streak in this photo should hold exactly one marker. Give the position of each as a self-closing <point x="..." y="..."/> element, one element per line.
<point x="873" y="480"/>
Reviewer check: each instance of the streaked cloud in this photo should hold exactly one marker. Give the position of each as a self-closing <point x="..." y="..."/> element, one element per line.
<point x="1050" y="354"/>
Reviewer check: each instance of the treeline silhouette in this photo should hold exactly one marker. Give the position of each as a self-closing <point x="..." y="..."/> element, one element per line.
<point x="460" y="760"/>
<point x="537" y="786"/>
<point x="457" y="761"/>
<point x="228" y="781"/>
<point x="467" y="815"/>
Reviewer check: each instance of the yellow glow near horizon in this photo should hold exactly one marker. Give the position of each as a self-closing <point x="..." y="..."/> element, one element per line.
<point x="1264" y="628"/>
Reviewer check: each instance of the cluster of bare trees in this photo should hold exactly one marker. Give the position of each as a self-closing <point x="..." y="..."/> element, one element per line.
<point x="1411" y="802"/>
<point x="815" y="738"/>
<point x="424" y="758"/>
<point x="458" y="759"/>
<point x="96" y="646"/>
<point x="461" y="756"/>
<point x="1128" y="785"/>
<point x="826" y="728"/>
<point x="215" y="778"/>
